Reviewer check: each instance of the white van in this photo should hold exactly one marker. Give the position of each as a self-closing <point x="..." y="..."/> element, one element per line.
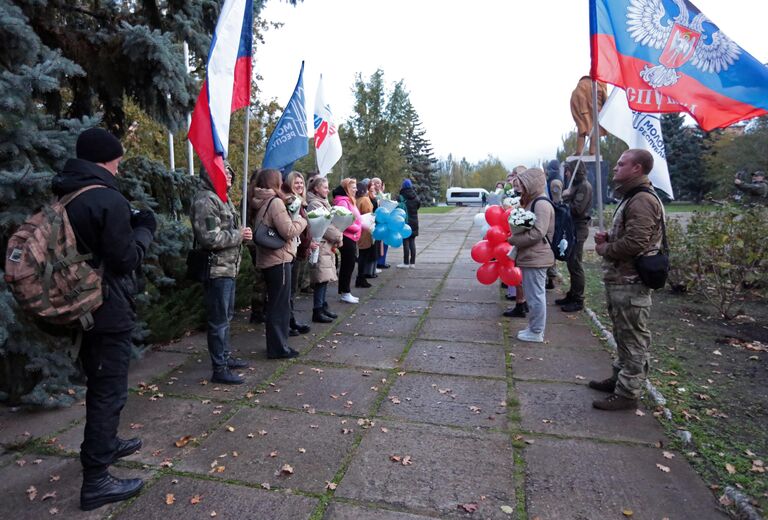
<point x="466" y="196"/>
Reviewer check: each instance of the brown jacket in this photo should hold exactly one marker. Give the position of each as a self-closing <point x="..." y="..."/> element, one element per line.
<point x="636" y="230"/>
<point x="278" y="218"/>
<point x="533" y="249"/>
<point x="325" y="268"/>
<point x="364" y="205"/>
<point x="579" y="199"/>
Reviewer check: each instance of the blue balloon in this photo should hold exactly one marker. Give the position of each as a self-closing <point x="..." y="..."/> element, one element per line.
<point x="399" y="211"/>
<point x="383" y="215"/>
<point x="407" y="231"/>
<point x="396" y="221"/>
<point x="380" y="232"/>
<point x="395" y="239"/>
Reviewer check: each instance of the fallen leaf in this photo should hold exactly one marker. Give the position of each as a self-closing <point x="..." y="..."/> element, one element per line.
<point x="31" y="493"/>
<point x="230" y="428"/>
<point x="195" y="499"/>
<point x="663" y="468"/>
<point x="407" y="461"/>
<point x="330" y="485"/>
<point x="470" y="507"/>
<point x="287" y="469"/>
<point x="273" y="454"/>
<point x="627" y="512"/>
<point x="384" y="430"/>
<point x="170" y="499"/>
<point x="668" y="455"/>
<point x="639" y="413"/>
<point x="183" y="441"/>
<point x="213" y="513"/>
<point x="54" y="478"/>
<point x="730" y="468"/>
<point x="508" y="510"/>
<point x="395" y="458"/>
<point x="50" y="494"/>
<point x="265" y="485"/>
<point x="53" y="510"/>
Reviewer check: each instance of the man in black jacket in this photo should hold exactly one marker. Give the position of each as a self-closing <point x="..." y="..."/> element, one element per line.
<point x="118" y="238"/>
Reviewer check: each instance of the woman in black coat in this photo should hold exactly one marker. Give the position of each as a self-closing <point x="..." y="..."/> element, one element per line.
<point x="410" y="200"/>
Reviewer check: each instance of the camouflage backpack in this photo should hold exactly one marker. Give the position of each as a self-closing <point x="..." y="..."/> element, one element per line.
<point x="48" y="276"/>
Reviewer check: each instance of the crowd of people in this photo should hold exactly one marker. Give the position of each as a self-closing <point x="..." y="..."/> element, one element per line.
<point x="116" y="238"/>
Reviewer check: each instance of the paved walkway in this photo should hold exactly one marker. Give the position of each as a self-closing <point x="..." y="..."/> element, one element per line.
<point x="417" y="403"/>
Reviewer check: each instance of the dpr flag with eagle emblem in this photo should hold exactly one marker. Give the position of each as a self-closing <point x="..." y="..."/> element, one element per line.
<point x="669" y="57"/>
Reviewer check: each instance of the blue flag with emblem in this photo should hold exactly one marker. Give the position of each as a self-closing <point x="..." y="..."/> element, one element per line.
<point x="289" y="141"/>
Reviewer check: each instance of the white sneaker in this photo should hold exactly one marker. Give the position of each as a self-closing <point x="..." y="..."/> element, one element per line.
<point x="348" y="298"/>
<point x="531" y="337"/>
<point x="402" y="266"/>
<point x="412" y="266"/>
<point x="379" y="271"/>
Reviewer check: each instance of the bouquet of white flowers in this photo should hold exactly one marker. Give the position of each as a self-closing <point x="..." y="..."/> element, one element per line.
<point x="511" y="202"/>
<point x="318" y="219"/>
<point x="384" y="196"/>
<point x="293" y="205"/>
<point x="519" y="220"/>
<point x="341" y="218"/>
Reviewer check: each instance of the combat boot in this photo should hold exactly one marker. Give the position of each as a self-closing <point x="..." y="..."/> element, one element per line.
<point x="102" y="489"/>
<point x="572" y="306"/>
<point x="606" y="385"/>
<point x="224" y="376"/>
<point x="565" y="300"/>
<point x="126" y="447"/>
<point x="328" y="312"/>
<point x="518" y="311"/>
<point x="615" y="402"/>
<point x="318" y="316"/>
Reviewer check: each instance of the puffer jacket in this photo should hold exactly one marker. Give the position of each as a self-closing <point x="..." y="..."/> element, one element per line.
<point x="217" y="229"/>
<point x="276" y="217"/>
<point x="533" y="246"/>
<point x="412" y="204"/>
<point x="340" y="199"/>
<point x="636" y="230"/>
<point x="364" y="206"/>
<point x="325" y="268"/>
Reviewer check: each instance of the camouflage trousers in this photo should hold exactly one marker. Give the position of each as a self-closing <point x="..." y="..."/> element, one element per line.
<point x="629" y="307"/>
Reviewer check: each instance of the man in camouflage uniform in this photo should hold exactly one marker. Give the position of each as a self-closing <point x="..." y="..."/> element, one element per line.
<point x="636" y="230"/>
<point x="757" y="190"/>
<point x="579" y="199"/>
<point x="218" y="230"/>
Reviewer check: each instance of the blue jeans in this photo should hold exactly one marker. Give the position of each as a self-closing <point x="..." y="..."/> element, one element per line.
<point x="319" y="295"/>
<point x="220" y="309"/>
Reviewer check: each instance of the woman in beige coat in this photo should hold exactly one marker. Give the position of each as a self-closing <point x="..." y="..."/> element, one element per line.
<point x="534" y="252"/>
<point x="324" y="270"/>
<point x="269" y="205"/>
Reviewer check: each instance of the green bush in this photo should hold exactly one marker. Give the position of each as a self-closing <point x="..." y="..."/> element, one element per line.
<point x="722" y="255"/>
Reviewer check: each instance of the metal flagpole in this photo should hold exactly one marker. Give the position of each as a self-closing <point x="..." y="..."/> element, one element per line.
<point x="245" y="164"/>
<point x="598" y="173"/>
<point x="172" y="161"/>
<point x="190" y="151"/>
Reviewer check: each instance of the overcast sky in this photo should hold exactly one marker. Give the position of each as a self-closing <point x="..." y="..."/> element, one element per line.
<point x="488" y="77"/>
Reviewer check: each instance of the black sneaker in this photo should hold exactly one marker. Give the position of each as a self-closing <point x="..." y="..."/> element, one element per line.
<point x="550" y="284"/>
<point x="225" y="376"/>
<point x="318" y="316"/>
<point x="236" y="363"/>
<point x="518" y="311"/>
<point x="126" y="447"/>
<point x="301" y="328"/>
<point x="288" y="354"/>
<point x="106" y="489"/>
<point x="572" y="307"/>
<point x="383" y="266"/>
<point x="328" y="312"/>
<point x="362" y="284"/>
<point x="562" y="301"/>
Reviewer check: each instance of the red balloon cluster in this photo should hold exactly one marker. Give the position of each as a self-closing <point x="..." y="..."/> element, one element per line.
<point x="492" y="252"/>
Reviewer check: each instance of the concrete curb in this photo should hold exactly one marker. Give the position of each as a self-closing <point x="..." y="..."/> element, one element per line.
<point x="741" y="503"/>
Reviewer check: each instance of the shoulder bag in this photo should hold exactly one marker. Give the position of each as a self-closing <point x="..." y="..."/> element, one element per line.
<point x="266" y="236"/>
<point x="654" y="269"/>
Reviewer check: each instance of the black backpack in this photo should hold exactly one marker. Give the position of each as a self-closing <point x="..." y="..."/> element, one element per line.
<point x="564" y="240"/>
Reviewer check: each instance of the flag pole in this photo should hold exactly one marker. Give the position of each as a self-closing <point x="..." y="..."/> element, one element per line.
<point x="598" y="173"/>
<point x="245" y="164"/>
<point x="190" y="150"/>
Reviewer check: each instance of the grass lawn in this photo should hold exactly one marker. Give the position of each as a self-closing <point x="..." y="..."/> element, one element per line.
<point x="436" y="209"/>
<point x="714" y="375"/>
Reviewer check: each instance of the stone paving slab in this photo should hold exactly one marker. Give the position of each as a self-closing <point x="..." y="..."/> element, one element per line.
<point x="378" y="308"/>
<point x="159" y="424"/>
<point x="265" y="440"/>
<point x="341" y="511"/>
<point x="405" y="293"/>
<point x="567" y="410"/>
<point x="448" y="400"/>
<point x="193" y="343"/>
<point x="465" y="311"/>
<point x="468" y="291"/>
<point x="152" y="365"/>
<point x="60" y="479"/>
<point x="449" y="467"/>
<point x="20" y="425"/>
<point x="361" y="351"/>
<point x="458" y="330"/>
<point x="381" y="326"/>
<point x="325" y="389"/>
<point x="570" y="365"/>
<point x="574" y="335"/>
<point x="435" y="271"/>
<point x="574" y="479"/>
<point x="193" y="379"/>
<point x="226" y="500"/>
<point x="450" y="357"/>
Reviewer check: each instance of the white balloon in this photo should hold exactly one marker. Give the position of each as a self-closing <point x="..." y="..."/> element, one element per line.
<point x="484" y="230"/>
<point x="479" y="219"/>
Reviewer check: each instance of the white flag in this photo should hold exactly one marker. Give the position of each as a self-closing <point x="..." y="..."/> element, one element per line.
<point x="638" y="130"/>
<point x="327" y="141"/>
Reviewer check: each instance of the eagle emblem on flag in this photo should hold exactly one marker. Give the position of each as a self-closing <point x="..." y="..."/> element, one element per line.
<point x="682" y="39"/>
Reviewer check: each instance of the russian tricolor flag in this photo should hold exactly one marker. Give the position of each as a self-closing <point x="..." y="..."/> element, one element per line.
<point x="227" y="88"/>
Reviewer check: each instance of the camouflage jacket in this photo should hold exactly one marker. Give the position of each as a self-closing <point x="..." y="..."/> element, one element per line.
<point x="217" y="228"/>
<point x="636" y="231"/>
<point x="757" y="191"/>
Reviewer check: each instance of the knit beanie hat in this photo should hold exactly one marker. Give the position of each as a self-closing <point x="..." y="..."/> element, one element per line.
<point x="98" y="146"/>
<point x="407" y="184"/>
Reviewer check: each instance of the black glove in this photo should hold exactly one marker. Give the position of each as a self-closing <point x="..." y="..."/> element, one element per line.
<point x="144" y="218"/>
